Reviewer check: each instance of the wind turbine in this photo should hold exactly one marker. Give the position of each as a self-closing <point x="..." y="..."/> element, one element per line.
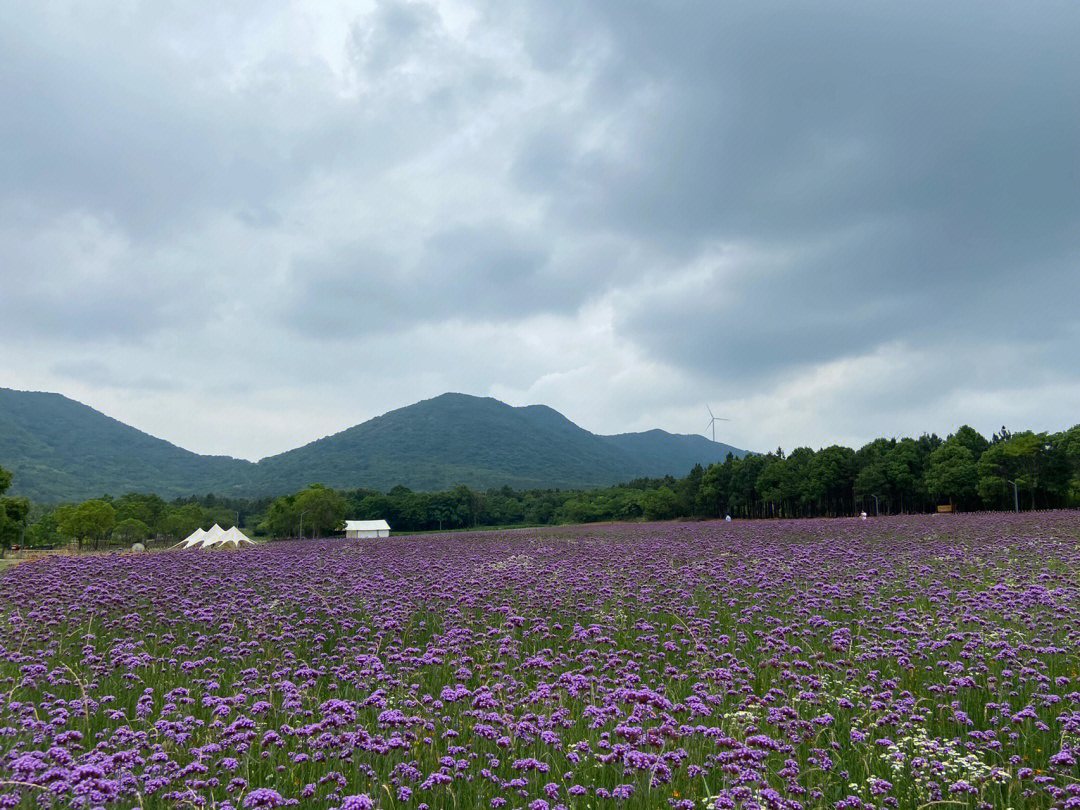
<point x="713" y="420"/>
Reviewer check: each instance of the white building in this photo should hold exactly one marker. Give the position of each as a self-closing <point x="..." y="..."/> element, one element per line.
<point x="366" y="528"/>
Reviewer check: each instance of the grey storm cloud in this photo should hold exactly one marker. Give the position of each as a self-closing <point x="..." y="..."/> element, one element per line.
<point x="765" y="123"/>
<point x="85" y="131"/>
<point x="842" y="297"/>
<point x="79" y="279"/>
<point x="726" y="195"/>
<point x="488" y="272"/>
<point x="943" y="135"/>
<point x="117" y="123"/>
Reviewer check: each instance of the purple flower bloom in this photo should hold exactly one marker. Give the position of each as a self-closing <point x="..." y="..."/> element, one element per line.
<point x="528" y="667"/>
<point x="263" y="797"/>
<point x="360" y="802"/>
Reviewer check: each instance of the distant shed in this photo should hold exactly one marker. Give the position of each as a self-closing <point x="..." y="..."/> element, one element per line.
<point x="366" y="528"/>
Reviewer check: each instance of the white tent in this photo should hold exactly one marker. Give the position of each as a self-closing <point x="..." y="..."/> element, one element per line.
<point x="233" y="537"/>
<point x="193" y="539"/>
<point x="367" y="528"/>
<point x="212" y="536"/>
<point x="217" y="537"/>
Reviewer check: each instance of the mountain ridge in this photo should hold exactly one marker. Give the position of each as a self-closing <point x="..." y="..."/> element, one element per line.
<point x="60" y="449"/>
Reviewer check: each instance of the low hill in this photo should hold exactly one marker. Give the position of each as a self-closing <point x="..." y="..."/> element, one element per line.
<point x="59" y="449"/>
<point x="659" y="452"/>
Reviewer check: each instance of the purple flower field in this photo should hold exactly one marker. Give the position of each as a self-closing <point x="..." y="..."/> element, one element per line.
<point x="899" y="662"/>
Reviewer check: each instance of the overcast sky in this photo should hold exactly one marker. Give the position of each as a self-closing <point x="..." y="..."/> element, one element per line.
<point x="242" y="226"/>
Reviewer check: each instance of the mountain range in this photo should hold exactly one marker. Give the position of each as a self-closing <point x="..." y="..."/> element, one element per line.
<point x="59" y="449"/>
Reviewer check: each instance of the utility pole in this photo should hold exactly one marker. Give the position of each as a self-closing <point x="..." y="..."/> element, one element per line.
<point x="1016" y="496"/>
<point x="302" y="523"/>
<point x="876" y="510"/>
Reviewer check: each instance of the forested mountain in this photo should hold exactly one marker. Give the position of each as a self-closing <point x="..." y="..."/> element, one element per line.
<point x="59" y="449"/>
<point x="455" y="438"/>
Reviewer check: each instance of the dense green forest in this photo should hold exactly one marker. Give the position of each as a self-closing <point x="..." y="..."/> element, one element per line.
<point x="968" y="471"/>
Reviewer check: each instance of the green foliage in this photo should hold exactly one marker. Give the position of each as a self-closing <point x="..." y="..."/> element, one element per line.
<point x="131" y="530"/>
<point x="873" y="460"/>
<point x="831" y="478"/>
<point x="89" y="522"/>
<point x="1037" y="465"/>
<point x="138" y="518"/>
<point x="967" y="436"/>
<point x="147" y="509"/>
<point x="13" y="515"/>
<point x="1067" y="445"/>
<point x="716" y="488"/>
<point x="183" y="520"/>
<point x="660" y="504"/>
<point x="905" y="464"/>
<point x="952" y="473"/>
<point x="45" y="531"/>
<point x="324" y="509"/>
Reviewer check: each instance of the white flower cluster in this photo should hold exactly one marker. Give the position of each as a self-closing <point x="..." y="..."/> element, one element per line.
<point x="736" y="722"/>
<point x="943" y="761"/>
<point x="755" y="798"/>
<point x="517" y="562"/>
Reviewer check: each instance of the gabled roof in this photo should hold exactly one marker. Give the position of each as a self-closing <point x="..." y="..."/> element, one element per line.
<point x="366" y="525"/>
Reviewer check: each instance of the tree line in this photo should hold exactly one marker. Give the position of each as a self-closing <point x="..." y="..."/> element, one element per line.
<point x="1025" y="470"/>
<point x="967" y="471"/>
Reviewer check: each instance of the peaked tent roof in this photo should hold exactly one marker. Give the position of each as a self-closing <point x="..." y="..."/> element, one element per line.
<point x="193" y="539"/>
<point x="212" y="536"/>
<point x="201" y="539"/>
<point x="218" y="537"/>
<point x="235" y="538"/>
